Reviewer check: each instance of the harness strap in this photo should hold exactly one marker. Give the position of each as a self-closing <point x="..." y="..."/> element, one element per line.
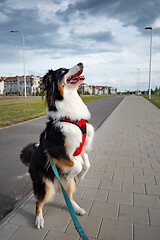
<point x="82" y="125"/>
<point x="69" y="204"/>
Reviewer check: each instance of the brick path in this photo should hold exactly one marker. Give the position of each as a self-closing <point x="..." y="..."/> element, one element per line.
<point x="121" y="192"/>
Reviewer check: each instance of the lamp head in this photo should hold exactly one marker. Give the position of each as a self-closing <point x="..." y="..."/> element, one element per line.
<point x="149" y="28"/>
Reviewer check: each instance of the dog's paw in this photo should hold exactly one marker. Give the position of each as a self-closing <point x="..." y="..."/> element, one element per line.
<point x="77" y="209"/>
<point x="80" y="211"/>
<point x="68" y="179"/>
<point x="39" y="221"/>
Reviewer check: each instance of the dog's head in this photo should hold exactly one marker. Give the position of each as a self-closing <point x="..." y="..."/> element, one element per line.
<point x="55" y="83"/>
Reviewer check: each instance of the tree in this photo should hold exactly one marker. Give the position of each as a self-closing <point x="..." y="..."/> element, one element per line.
<point x="156" y="90"/>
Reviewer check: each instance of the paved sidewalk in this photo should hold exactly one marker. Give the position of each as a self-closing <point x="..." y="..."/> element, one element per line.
<point x="121" y="192"/>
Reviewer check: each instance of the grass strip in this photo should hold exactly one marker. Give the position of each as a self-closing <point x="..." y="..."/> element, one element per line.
<point x="16" y="110"/>
<point x="154" y="99"/>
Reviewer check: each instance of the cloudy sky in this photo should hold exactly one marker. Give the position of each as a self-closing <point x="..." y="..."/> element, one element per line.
<point x="108" y="36"/>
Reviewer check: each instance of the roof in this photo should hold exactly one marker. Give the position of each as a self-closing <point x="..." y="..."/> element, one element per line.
<point x="13" y="79"/>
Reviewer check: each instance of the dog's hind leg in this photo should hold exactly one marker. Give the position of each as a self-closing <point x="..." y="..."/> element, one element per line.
<point x="39" y="215"/>
<point x="71" y="187"/>
<point x="45" y="197"/>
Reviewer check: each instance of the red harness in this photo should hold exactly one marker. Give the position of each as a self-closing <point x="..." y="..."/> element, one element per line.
<point x="82" y="125"/>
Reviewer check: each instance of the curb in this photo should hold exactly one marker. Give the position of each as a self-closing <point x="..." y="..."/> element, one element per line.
<point x="20" y="205"/>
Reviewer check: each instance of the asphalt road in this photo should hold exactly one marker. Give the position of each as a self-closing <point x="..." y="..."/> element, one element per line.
<point x="15" y="182"/>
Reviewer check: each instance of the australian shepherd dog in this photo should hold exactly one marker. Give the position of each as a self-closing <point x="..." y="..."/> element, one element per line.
<point x="66" y="139"/>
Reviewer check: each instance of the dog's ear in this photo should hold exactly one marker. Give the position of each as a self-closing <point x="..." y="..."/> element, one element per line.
<point x="48" y="88"/>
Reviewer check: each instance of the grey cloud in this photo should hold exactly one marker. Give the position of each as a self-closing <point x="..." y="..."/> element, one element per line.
<point x="100" y="36"/>
<point x="34" y="31"/>
<point x="136" y="13"/>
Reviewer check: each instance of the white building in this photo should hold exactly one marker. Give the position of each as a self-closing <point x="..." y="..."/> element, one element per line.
<point x="97" y="90"/>
<point x="1" y="86"/>
<point x="112" y="90"/>
<point x="15" y="85"/>
<point x="85" y="88"/>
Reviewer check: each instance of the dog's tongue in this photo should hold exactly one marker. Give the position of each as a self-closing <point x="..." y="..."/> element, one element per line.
<point x="77" y="78"/>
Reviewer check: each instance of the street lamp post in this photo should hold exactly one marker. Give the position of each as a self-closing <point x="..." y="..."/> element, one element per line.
<point x="91" y="77"/>
<point x="23" y="61"/>
<point x="138" y="82"/>
<point x="150" y="28"/>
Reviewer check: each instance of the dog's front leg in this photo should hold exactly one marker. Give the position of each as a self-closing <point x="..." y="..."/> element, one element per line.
<point x="85" y="167"/>
<point x="72" y="172"/>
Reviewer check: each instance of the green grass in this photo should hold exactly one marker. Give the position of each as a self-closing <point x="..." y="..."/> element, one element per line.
<point x="154" y="99"/>
<point x="16" y="110"/>
<point x="88" y="98"/>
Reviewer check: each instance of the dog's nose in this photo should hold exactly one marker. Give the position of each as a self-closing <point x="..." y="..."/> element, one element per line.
<point x="80" y="65"/>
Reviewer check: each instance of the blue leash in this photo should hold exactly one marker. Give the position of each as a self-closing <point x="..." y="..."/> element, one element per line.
<point x="73" y="215"/>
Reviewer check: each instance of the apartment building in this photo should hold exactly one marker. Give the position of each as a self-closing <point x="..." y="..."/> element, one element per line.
<point x="1" y="86"/>
<point x="15" y="85"/>
<point x="97" y="90"/>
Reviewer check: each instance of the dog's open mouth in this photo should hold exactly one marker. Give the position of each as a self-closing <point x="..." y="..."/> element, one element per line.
<point x="75" y="78"/>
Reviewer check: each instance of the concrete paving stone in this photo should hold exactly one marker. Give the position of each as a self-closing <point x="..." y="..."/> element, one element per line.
<point x="133" y="187"/>
<point x="120" y="158"/>
<point x="93" y="162"/>
<point x="115" y="230"/>
<point x="105" y="210"/>
<point x="155" y="165"/>
<point x="142" y="165"/>
<point x="124" y="163"/>
<point x="96" y="194"/>
<point x="28" y="233"/>
<point x="94" y="166"/>
<point x="150" y="172"/>
<point x="157" y="179"/>
<point x="110" y="185"/>
<point x="133" y="170"/>
<point x="120" y="197"/>
<point x="154" y="215"/>
<point x="8" y="230"/>
<point x="125" y="153"/>
<point x="152" y="160"/>
<point x="114" y="153"/>
<point x="53" y="235"/>
<point x="87" y="182"/>
<point x="146" y="200"/>
<point x="103" y="157"/>
<point x="118" y="169"/>
<point x="89" y="174"/>
<point x="111" y="162"/>
<point x="24" y="217"/>
<point x="146" y="232"/>
<point x="90" y="225"/>
<point x="57" y="221"/>
<point x="133" y="214"/>
<point x="138" y="178"/>
<point x="153" y="189"/>
<point x="103" y="175"/>
<point x="79" y="192"/>
<point x="99" y="166"/>
<point x="123" y="177"/>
